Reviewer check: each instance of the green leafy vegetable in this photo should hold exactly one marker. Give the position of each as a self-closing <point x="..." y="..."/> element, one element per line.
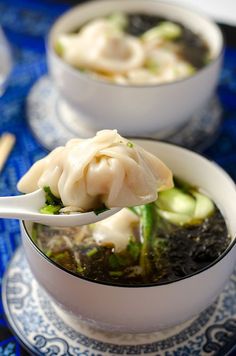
<point x="119" y="260"/>
<point x="114" y="261"/>
<point x="50" y="198"/>
<point x="53" y="205"/>
<point x="50" y="209"/>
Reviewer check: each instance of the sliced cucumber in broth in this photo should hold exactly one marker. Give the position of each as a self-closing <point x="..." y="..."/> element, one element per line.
<point x="176" y="201"/>
<point x="204" y="206"/>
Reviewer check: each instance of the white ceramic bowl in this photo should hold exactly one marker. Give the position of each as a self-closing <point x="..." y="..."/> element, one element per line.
<point x="149" y="308"/>
<point x="134" y="110"/>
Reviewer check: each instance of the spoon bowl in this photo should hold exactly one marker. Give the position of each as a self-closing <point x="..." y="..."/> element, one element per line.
<point x="27" y="207"/>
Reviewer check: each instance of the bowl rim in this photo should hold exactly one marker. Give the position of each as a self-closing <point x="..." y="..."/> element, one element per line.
<point x="160" y="284"/>
<point x="84" y="75"/>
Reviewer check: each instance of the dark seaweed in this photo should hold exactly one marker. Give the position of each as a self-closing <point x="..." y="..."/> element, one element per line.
<point x="177" y="252"/>
<point x="191" y="251"/>
<point x="193" y="47"/>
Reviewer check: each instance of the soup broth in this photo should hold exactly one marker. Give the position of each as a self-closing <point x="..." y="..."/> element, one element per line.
<point x="176" y="236"/>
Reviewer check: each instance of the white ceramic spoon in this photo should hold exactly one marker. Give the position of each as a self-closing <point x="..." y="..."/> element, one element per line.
<point x="27" y="206"/>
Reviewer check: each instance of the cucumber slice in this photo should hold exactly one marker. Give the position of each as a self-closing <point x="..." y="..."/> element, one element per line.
<point x="176" y="201"/>
<point x="204" y="206"/>
<point x="175" y="218"/>
<point x="166" y="30"/>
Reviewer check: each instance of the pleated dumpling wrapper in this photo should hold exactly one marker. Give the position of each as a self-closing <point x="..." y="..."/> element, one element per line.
<point x="105" y="169"/>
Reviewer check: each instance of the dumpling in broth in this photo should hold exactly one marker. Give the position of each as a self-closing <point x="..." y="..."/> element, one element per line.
<point x="106" y="169"/>
<point x="102" y="47"/>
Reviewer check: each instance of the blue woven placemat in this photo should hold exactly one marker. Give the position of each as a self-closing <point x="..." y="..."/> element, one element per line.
<point x="26" y="24"/>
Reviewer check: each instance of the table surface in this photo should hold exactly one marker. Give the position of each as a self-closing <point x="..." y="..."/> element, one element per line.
<point x="26" y="24"/>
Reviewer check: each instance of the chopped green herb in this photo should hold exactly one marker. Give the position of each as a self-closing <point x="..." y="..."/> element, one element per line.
<point x="114" y="261"/>
<point x="134" y="249"/>
<point x="115" y="273"/>
<point x="92" y="252"/>
<point x="52" y="204"/>
<point x="79" y="269"/>
<point x="130" y="144"/>
<point x="50" y="198"/>
<point x="61" y="256"/>
<point x="117" y="261"/>
<point x="50" y="209"/>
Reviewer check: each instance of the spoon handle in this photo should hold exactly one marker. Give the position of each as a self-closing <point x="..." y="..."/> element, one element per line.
<point x="21" y="206"/>
<point x="27" y="207"/>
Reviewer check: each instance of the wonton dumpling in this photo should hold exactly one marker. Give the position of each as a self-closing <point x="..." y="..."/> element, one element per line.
<point x="116" y="229"/>
<point x="102" y="47"/>
<point x="104" y="169"/>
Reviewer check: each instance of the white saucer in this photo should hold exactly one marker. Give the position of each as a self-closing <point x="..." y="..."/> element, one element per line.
<point x="53" y="122"/>
<point x="46" y="330"/>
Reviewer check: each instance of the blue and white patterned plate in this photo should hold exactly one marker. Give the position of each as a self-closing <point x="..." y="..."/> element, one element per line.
<point x="46" y="330"/>
<point x="53" y="123"/>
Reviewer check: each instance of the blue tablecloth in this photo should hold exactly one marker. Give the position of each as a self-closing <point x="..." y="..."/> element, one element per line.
<point x="26" y="23"/>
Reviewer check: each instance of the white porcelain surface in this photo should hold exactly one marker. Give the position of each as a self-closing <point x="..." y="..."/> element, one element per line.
<point x="53" y="126"/>
<point x="135" y="110"/>
<point x="145" y="309"/>
<point x="27" y="207"/>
